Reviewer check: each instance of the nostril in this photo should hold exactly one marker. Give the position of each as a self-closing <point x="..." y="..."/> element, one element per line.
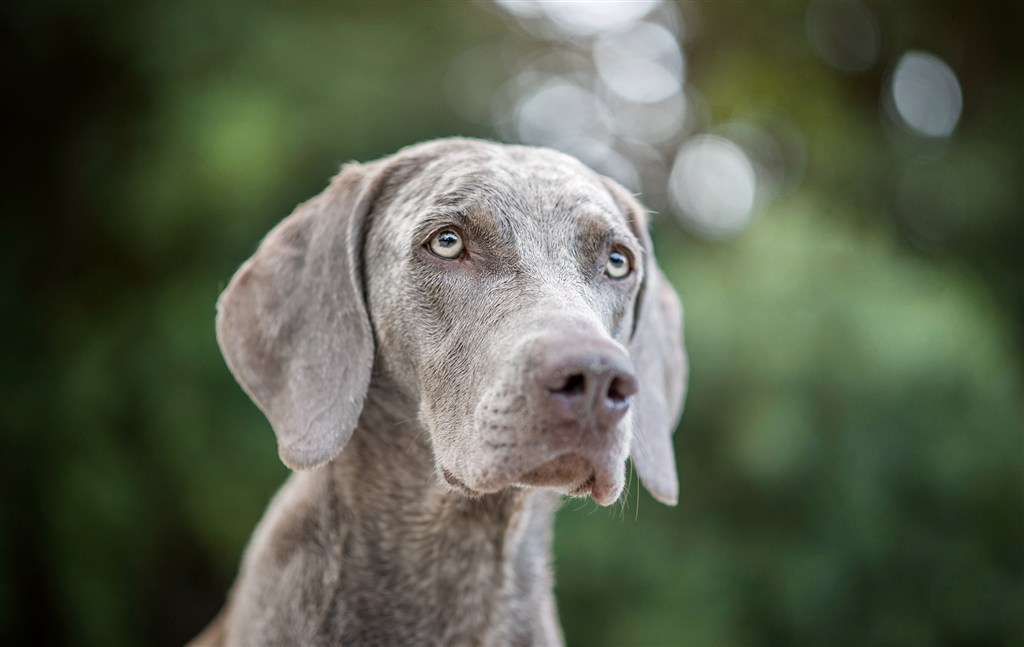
<point x="575" y="384"/>
<point x="619" y="392"/>
<point x="586" y="381"/>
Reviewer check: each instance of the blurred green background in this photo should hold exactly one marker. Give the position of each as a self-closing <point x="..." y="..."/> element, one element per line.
<point x="852" y="453"/>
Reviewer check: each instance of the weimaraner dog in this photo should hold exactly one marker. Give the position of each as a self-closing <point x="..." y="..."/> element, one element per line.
<point x="481" y="328"/>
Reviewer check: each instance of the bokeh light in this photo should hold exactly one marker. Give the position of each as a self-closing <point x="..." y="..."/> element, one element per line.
<point x="642" y="63"/>
<point x="556" y="110"/>
<point x="713" y="186"/>
<point x="925" y="95"/>
<point x="652" y="123"/>
<point x="841" y="216"/>
<point x="591" y="17"/>
<point x="585" y="18"/>
<point x="607" y="83"/>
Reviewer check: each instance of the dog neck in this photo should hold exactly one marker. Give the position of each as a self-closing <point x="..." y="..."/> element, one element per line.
<point x="451" y="569"/>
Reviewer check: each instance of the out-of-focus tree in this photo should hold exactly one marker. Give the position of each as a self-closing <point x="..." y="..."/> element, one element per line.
<point x="852" y="455"/>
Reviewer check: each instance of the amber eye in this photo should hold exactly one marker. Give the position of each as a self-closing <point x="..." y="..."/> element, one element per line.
<point x="446" y="244"/>
<point x="618" y="266"/>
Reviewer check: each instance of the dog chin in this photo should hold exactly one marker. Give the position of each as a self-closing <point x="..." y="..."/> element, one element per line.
<point x="570" y="474"/>
<point x="574" y="476"/>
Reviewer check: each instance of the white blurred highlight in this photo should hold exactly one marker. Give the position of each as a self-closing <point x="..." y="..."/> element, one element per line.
<point x="523" y="8"/>
<point x="556" y="110"/>
<point x="713" y="186"/>
<point x="602" y="158"/>
<point x="642" y="63"/>
<point x="591" y="17"/>
<point x="556" y="19"/>
<point x="774" y="147"/>
<point x="925" y="95"/>
<point x="651" y="123"/>
<point x="607" y="84"/>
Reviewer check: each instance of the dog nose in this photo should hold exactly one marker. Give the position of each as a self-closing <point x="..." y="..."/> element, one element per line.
<point x="587" y="380"/>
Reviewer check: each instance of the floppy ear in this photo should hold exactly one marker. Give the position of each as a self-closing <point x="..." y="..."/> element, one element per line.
<point x="293" y="326"/>
<point x="660" y="359"/>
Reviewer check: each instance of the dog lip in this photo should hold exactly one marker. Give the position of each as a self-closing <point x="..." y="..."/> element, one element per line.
<point x="602" y="488"/>
<point x="459" y="485"/>
<point x="487" y="485"/>
<point x="576" y="474"/>
<point x="557" y="471"/>
<point x="580" y="465"/>
<point x="584" y="487"/>
<point x="605" y="490"/>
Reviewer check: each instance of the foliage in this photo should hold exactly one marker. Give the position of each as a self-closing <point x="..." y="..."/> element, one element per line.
<point x="852" y="455"/>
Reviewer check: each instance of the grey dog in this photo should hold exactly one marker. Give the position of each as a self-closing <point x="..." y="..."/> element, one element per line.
<point x="481" y="328"/>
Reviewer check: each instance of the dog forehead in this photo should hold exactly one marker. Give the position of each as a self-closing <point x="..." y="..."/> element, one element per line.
<point x="507" y="182"/>
<point x="454" y="156"/>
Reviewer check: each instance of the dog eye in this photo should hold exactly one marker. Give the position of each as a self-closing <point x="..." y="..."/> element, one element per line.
<point x="446" y="244"/>
<point x="618" y="266"/>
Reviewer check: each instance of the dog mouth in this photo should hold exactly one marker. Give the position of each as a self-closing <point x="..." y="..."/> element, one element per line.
<point x="564" y="473"/>
<point x="571" y="474"/>
<point x="565" y="469"/>
<point x="457" y="484"/>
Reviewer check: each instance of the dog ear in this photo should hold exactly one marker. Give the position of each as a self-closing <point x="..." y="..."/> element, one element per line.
<point x="292" y="323"/>
<point x="662" y="369"/>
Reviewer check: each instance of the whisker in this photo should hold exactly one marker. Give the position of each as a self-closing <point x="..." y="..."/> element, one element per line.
<point x="624" y="499"/>
<point x="638" y="488"/>
<point x="642" y="446"/>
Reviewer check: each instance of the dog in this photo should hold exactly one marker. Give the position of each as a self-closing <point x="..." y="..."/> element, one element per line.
<point x="482" y="328"/>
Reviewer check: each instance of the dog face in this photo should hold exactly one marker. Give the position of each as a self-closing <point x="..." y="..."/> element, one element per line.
<point x="509" y="291"/>
<point x="506" y="301"/>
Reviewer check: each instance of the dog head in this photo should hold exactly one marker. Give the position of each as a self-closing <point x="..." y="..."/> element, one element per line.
<point x="510" y="292"/>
